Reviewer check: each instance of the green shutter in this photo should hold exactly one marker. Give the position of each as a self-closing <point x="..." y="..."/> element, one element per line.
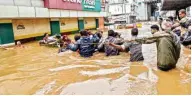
<point x="81" y="24"/>
<point x="6" y="33"/>
<point x="97" y="23"/>
<point x="55" y="27"/>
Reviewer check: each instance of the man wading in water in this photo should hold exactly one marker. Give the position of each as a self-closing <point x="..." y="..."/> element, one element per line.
<point x="85" y="44"/>
<point x="168" y="48"/>
<point x="135" y="48"/>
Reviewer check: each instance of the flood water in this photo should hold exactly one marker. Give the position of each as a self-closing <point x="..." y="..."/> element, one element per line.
<point x="40" y="70"/>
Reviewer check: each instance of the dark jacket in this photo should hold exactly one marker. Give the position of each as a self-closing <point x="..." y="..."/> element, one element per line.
<point x="85" y="45"/>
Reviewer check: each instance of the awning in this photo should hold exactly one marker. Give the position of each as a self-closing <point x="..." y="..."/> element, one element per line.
<point x="175" y="4"/>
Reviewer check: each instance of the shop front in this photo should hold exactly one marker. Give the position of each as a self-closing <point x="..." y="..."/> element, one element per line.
<point x="64" y="17"/>
<point x="76" y="23"/>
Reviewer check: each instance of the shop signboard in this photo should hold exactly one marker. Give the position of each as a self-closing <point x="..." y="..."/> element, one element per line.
<point x="81" y="5"/>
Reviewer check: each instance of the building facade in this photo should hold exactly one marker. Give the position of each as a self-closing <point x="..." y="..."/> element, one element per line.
<point x="122" y="11"/>
<point x="148" y="10"/>
<point x="174" y="6"/>
<point x="22" y="19"/>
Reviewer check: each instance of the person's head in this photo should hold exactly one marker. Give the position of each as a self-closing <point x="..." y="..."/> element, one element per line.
<point x="167" y="26"/>
<point x="111" y="33"/>
<point x="171" y="18"/>
<point x="182" y="13"/>
<point x="46" y="35"/>
<point x="64" y="36"/>
<point x="18" y="43"/>
<point x="115" y="34"/>
<point x="89" y="32"/>
<point x="134" y="32"/>
<point x="77" y="37"/>
<point x="84" y="33"/>
<point x="99" y="34"/>
<point x="154" y="28"/>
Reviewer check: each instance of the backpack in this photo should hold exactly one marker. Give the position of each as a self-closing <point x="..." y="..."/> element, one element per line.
<point x="86" y="47"/>
<point x="109" y="50"/>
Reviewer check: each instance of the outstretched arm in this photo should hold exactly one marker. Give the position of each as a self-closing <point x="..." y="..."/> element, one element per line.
<point x="101" y="44"/>
<point x="149" y="41"/>
<point x="116" y="46"/>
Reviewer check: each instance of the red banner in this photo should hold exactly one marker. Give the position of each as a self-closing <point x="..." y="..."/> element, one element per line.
<point x="63" y="4"/>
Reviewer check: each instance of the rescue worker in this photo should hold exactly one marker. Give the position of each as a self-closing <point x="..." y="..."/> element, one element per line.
<point x="135" y="48"/>
<point x="168" y="48"/>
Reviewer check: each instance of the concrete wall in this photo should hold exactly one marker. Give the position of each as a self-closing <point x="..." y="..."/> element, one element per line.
<point x="35" y="9"/>
<point x="142" y="12"/>
<point x="36" y="12"/>
<point x="116" y="9"/>
<point x="68" y="24"/>
<point x="29" y="3"/>
<point x="119" y="9"/>
<point x="26" y="28"/>
<point x="89" y="23"/>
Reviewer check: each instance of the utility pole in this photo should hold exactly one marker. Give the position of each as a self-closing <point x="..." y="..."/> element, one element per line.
<point x="125" y="10"/>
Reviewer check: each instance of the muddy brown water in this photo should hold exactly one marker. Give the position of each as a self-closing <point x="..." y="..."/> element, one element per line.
<point x="40" y="70"/>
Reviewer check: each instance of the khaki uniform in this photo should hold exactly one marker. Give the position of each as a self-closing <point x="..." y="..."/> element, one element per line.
<point x="184" y="20"/>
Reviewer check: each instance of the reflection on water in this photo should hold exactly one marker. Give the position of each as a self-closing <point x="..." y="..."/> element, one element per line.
<point x="40" y="70"/>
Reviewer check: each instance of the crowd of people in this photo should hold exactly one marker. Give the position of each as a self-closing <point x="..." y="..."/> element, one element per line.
<point x="180" y="27"/>
<point x="169" y="34"/>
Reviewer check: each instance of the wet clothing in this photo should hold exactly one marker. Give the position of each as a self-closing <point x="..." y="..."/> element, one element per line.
<point x="186" y="21"/>
<point x="178" y="32"/>
<point x="135" y="50"/>
<point x="96" y="40"/>
<point x="186" y="38"/>
<point x="66" y="48"/>
<point x="85" y="46"/>
<point x="100" y="45"/>
<point x="166" y="54"/>
<point x="47" y="40"/>
<point x="168" y="51"/>
<point x="110" y="50"/>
